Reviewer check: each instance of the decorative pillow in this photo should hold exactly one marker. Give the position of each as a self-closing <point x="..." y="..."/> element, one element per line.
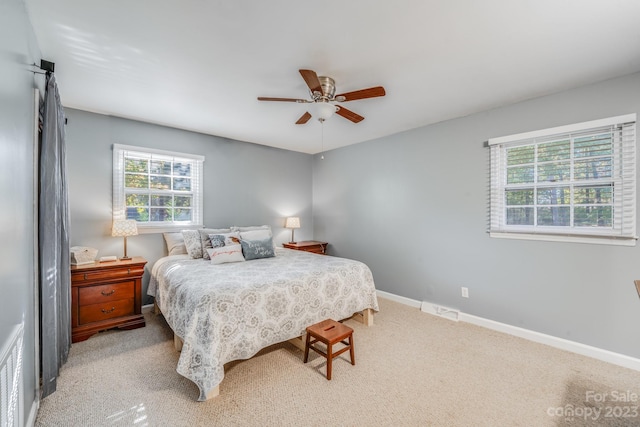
<point x="217" y="240"/>
<point x="258" y="234"/>
<point x="206" y="242"/>
<point x="175" y="243"/>
<point x="226" y="253"/>
<point x="193" y="243"/>
<point x="255" y="249"/>
<point x="220" y="240"/>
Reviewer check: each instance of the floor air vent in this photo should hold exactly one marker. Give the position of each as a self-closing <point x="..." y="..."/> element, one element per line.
<point x="438" y="310"/>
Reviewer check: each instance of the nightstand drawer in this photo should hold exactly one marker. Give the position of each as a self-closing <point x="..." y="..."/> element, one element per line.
<point x="107" y="274"/>
<point x="109" y="310"/>
<point x="312" y="246"/>
<point x="315" y="249"/>
<point x="106" y="293"/>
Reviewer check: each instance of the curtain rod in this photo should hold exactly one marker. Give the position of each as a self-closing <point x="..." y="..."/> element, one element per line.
<point x="46" y="66"/>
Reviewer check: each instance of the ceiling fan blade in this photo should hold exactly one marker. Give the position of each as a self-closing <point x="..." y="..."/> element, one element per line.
<point x="263" y="98"/>
<point x="349" y="115"/>
<point x="371" y="92"/>
<point x="304" y="118"/>
<point x="311" y="79"/>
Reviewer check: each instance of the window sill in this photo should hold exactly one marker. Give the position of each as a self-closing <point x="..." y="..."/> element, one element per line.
<point x="566" y="238"/>
<point x="155" y="229"/>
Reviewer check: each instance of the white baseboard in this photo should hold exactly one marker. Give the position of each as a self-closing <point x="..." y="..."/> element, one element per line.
<point x="32" y="414"/>
<point x="147" y="308"/>
<point x="402" y="300"/>
<point x="561" y="343"/>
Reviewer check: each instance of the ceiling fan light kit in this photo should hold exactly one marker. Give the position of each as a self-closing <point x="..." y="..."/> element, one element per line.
<point x="324" y="110"/>
<point x="322" y="90"/>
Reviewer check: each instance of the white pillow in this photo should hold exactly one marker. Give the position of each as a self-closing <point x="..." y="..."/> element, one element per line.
<point x="255" y="234"/>
<point x="175" y="243"/>
<point x="227" y="253"/>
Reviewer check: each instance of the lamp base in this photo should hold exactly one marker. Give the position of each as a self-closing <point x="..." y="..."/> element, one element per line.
<point x="125" y="258"/>
<point x="293" y="243"/>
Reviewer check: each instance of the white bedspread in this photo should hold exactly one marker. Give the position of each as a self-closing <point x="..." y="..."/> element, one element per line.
<point x="231" y="311"/>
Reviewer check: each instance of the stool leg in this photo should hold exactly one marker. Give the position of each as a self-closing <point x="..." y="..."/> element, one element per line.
<point x="351" y="350"/>
<point x="306" y="348"/>
<point x="329" y="360"/>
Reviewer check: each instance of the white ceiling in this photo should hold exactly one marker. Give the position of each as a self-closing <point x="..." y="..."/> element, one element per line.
<point x="200" y="64"/>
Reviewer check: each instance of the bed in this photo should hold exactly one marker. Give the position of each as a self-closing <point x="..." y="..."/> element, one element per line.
<point x="233" y="310"/>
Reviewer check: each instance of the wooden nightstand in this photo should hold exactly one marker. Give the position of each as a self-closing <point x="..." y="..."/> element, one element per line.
<point x="308" y="246"/>
<point x="106" y="295"/>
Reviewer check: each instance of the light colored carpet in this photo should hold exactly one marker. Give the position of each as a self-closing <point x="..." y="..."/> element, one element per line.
<point x="411" y="369"/>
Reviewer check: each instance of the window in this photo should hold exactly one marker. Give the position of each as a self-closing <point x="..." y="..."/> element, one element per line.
<point x="157" y="188"/>
<point x="570" y="183"/>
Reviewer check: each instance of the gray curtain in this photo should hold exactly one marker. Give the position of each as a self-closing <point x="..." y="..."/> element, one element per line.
<point x="55" y="284"/>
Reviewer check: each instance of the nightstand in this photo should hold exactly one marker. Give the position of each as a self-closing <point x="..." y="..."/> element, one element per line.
<point x="308" y="246"/>
<point x="106" y="295"/>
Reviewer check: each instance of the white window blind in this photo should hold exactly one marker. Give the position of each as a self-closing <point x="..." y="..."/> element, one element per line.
<point x="157" y="188"/>
<point x="570" y="183"/>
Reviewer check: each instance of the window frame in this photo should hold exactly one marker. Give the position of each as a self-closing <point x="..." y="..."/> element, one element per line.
<point x="622" y="182"/>
<point x="121" y="151"/>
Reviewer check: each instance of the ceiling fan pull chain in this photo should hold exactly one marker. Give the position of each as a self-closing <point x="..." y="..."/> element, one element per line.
<point x="321" y="139"/>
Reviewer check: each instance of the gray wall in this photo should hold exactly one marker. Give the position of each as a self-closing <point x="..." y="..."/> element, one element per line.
<point x="18" y="49"/>
<point x="414" y="207"/>
<point x="244" y="184"/>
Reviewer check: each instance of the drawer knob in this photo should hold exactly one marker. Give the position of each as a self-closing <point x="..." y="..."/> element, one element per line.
<point x="108" y="311"/>
<point x="106" y="294"/>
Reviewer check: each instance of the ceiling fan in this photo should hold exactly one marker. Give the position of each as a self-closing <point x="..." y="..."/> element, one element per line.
<point x="323" y="97"/>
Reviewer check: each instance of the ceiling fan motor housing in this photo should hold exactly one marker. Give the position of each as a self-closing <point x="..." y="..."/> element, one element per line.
<point x="328" y="87"/>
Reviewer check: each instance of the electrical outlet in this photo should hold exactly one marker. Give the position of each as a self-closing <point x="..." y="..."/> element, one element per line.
<point x="465" y="292"/>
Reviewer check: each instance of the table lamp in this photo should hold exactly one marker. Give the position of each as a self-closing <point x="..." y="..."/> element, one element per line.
<point x="124" y="228"/>
<point x="292" y="223"/>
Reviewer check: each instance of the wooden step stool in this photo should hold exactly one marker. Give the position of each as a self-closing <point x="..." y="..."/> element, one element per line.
<point x="329" y="332"/>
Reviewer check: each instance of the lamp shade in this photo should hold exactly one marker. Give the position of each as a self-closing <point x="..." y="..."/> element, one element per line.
<point x="124" y="228"/>
<point x="292" y="222"/>
<point x="324" y="110"/>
